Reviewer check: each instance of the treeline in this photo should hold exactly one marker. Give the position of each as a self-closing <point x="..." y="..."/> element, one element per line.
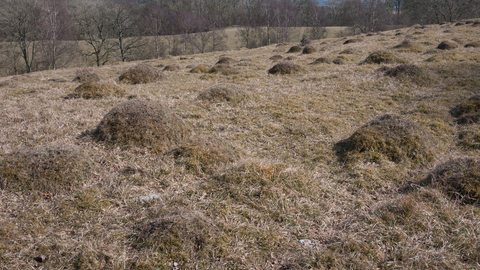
<point x="45" y="34"/>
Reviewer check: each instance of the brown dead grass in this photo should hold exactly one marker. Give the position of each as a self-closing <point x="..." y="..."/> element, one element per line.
<point x="382" y="57"/>
<point x="85" y="75"/>
<point x="468" y="111"/>
<point x="90" y="90"/>
<point x="308" y="50"/>
<point x="139" y="74"/>
<point x="223" y="92"/>
<point x="295" y="49"/>
<point x="223" y="69"/>
<point x="283" y="68"/>
<point x="321" y="60"/>
<point x="448" y="45"/>
<point x="171" y="68"/>
<point x="200" y="69"/>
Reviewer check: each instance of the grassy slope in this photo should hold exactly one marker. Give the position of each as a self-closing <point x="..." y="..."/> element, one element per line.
<point x="283" y="183"/>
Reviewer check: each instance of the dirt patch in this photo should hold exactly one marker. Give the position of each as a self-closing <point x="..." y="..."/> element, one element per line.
<point x="139" y="74"/>
<point x="200" y="69"/>
<point x="382" y="57"/>
<point x="392" y="137"/>
<point x="448" y="45"/>
<point x="223" y="92"/>
<point x="284" y="68"/>
<point x="51" y="168"/>
<point x="142" y="123"/>
<point x="91" y="90"/>
<point x="295" y="49"/>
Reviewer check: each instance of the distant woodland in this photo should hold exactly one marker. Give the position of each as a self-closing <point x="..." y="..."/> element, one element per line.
<point x="51" y="34"/>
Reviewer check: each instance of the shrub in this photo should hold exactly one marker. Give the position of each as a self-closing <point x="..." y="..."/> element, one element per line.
<point x="468" y="111"/>
<point x="172" y="67"/>
<point x="308" y="50"/>
<point x="84" y="75"/>
<point x="276" y="57"/>
<point x="142" y="123"/>
<point x="459" y="178"/>
<point x="141" y="73"/>
<point x="382" y="57"/>
<point x="390" y="136"/>
<point x="353" y="40"/>
<point x="46" y="168"/>
<point x="223" y="69"/>
<point x="222" y="92"/>
<point x="91" y="90"/>
<point x="295" y="49"/>
<point x="321" y="60"/>
<point x="447" y="45"/>
<point x="200" y="69"/>
<point x="284" y="68"/>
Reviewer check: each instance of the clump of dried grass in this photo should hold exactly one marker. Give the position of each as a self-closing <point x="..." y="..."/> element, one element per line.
<point x="467" y="112"/>
<point x="390" y="136"/>
<point x="172" y="67"/>
<point x="459" y="178"/>
<point x="295" y="49"/>
<point x="339" y="61"/>
<point x="276" y="57"/>
<point x="226" y="60"/>
<point x="223" y="69"/>
<point x="473" y="44"/>
<point x="321" y="60"/>
<point x="223" y="92"/>
<point x="85" y="75"/>
<point x="308" y="50"/>
<point x="460" y="24"/>
<point x="141" y="73"/>
<point x="200" y="69"/>
<point x="284" y="68"/>
<point x="51" y="168"/>
<point x="408" y="46"/>
<point x="408" y="70"/>
<point x="353" y="40"/>
<point x="382" y="57"/>
<point x="142" y="123"/>
<point x="347" y="51"/>
<point x="448" y="45"/>
<point x="91" y="90"/>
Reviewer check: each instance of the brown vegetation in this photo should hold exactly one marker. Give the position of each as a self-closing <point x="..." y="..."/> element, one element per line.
<point x="223" y="69"/>
<point x="91" y="90"/>
<point x="353" y="40"/>
<point x="321" y="60"/>
<point x="447" y="45"/>
<point x="141" y="73"/>
<point x="200" y="69"/>
<point x="86" y="75"/>
<point x="295" y="49"/>
<point x="171" y="67"/>
<point x="284" y="68"/>
<point x="223" y="92"/>
<point x="382" y="57"/>
<point x="308" y="50"/>
<point x="468" y="112"/>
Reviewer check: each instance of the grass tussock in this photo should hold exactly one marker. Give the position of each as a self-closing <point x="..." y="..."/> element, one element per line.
<point x="295" y="49"/>
<point x="91" y="90"/>
<point x="389" y="137"/>
<point x="468" y="111"/>
<point x="473" y="44"/>
<point x="339" y="61"/>
<point x="321" y="60"/>
<point x="226" y="61"/>
<point x="140" y="74"/>
<point x="142" y="123"/>
<point x="382" y="57"/>
<point x="200" y="69"/>
<point x="223" y="92"/>
<point x="223" y="69"/>
<point x="408" y="45"/>
<point x="448" y="45"/>
<point x="171" y="67"/>
<point x="276" y="57"/>
<point x="353" y="40"/>
<point x="283" y="68"/>
<point x="308" y="50"/>
<point x="53" y="168"/>
<point x="85" y="75"/>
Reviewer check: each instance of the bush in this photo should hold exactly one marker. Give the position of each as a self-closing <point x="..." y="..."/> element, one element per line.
<point x="459" y="178"/>
<point x="141" y="73"/>
<point x="223" y="69"/>
<point x="284" y="68"/>
<point x="222" y="92"/>
<point x="171" y="67"/>
<point x="308" y="50"/>
<point x="200" y="69"/>
<point x="86" y="76"/>
<point x="382" y="57"/>
<point x="142" y="123"/>
<point x="321" y="60"/>
<point x="46" y="168"/>
<point x="91" y="90"/>
<point x="295" y="49"/>
<point x="447" y="45"/>
<point x="467" y="112"/>
<point x="390" y="136"/>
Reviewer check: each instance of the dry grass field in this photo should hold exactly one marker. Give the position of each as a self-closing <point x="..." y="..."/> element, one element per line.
<point x="349" y="162"/>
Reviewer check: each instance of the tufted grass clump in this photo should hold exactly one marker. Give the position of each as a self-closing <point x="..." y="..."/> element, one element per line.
<point x="473" y="44"/>
<point x="142" y="123"/>
<point x="391" y="137"/>
<point x="308" y="50"/>
<point x="321" y="60"/>
<point x="51" y="168"/>
<point x="295" y="49"/>
<point x="276" y="57"/>
<point x="382" y="57"/>
<point x="140" y="74"/>
<point x="353" y="40"/>
<point x="408" y="70"/>
<point x="448" y="45"/>
<point x="85" y="75"/>
<point x="200" y="69"/>
<point x="172" y="67"/>
<point x="339" y="61"/>
<point x="226" y="60"/>
<point x="223" y="92"/>
<point x="91" y="90"/>
<point x="223" y="69"/>
<point x="283" y="68"/>
<point x="468" y="111"/>
<point x="459" y="178"/>
<point x="408" y="46"/>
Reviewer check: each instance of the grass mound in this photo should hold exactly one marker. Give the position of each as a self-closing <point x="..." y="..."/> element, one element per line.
<point x="459" y="178"/>
<point x="339" y="61"/>
<point x="223" y="69"/>
<point x="408" y="70"/>
<point x="389" y="136"/>
<point x="226" y="60"/>
<point x="276" y="57"/>
<point x="142" y="73"/>
<point x="223" y="92"/>
<point x="460" y="23"/>
<point x="188" y="236"/>
<point x="171" y="68"/>
<point x="473" y="44"/>
<point x="308" y="50"/>
<point x="284" y="68"/>
<point x="47" y="168"/>
<point x="142" y="123"/>
<point x="467" y="112"/>
<point x="382" y="57"/>
<point x="86" y="76"/>
<point x="321" y="60"/>
<point x="448" y="45"/>
<point x="408" y="46"/>
<point x="200" y="69"/>
<point x="91" y="90"/>
<point x="347" y="51"/>
<point x="353" y="40"/>
<point x="295" y="49"/>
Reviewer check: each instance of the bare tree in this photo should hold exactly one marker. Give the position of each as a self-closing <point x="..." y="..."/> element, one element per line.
<point x="155" y="20"/>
